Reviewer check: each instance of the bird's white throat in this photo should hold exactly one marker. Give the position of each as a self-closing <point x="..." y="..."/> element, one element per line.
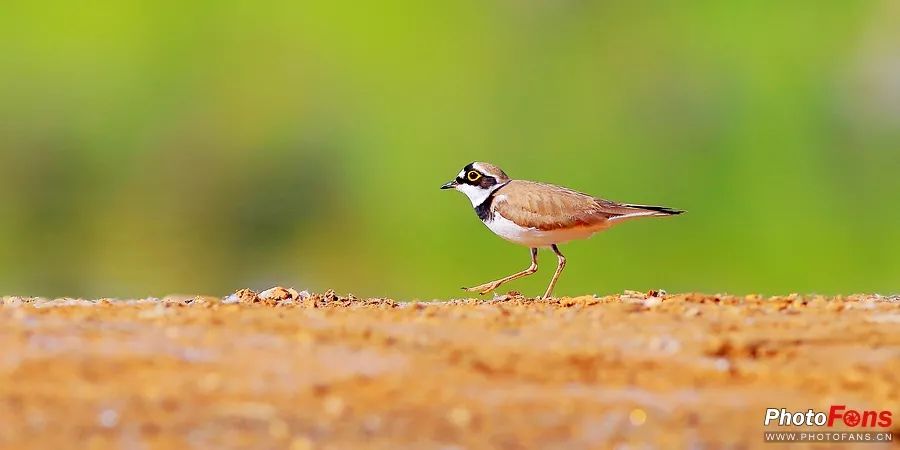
<point x="476" y="194"/>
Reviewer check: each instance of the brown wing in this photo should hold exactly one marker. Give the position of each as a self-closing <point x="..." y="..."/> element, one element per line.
<point x="549" y="207"/>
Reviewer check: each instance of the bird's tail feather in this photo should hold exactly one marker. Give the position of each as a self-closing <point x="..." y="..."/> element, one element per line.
<point x="662" y="210"/>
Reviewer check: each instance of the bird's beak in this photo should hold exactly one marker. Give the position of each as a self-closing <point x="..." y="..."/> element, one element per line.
<point x="450" y="185"/>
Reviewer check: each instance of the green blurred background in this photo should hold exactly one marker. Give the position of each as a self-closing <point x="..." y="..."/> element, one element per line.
<point x="199" y="147"/>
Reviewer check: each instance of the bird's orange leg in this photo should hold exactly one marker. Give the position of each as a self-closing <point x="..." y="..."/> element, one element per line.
<point x="491" y="285"/>
<point x="559" y="268"/>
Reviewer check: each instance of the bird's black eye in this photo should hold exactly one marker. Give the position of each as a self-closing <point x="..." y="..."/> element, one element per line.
<point x="473" y="176"/>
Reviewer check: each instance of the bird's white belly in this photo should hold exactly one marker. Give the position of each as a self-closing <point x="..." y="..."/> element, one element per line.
<point x="533" y="237"/>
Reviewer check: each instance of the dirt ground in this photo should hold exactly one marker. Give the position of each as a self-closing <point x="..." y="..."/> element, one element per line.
<point x="298" y="371"/>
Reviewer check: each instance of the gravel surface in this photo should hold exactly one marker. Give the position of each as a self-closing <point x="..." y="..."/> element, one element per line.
<point x="288" y="369"/>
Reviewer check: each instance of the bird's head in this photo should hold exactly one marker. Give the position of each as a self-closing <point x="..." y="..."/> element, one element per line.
<point x="478" y="180"/>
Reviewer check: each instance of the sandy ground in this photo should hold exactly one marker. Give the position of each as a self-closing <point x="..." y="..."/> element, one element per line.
<point x="324" y="372"/>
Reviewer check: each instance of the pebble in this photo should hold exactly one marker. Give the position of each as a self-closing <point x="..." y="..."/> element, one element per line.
<point x="334" y="406"/>
<point x="637" y="417"/>
<point x="108" y="418"/>
<point x="301" y="443"/>
<point x="460" y="417"/>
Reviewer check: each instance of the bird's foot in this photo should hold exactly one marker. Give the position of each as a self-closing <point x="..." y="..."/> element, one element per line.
<point x="483" y="288"/>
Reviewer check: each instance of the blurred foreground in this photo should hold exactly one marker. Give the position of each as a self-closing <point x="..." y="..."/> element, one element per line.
<point x="322" y="371"/>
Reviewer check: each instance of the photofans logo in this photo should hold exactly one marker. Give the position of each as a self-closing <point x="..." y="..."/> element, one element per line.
<point x="855" y="426"/>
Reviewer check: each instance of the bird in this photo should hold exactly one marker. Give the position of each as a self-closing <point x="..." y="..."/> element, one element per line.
<point x="539" y="215"/>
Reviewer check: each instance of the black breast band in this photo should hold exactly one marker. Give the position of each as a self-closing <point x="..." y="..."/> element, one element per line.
<point x="484" y="209"/>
